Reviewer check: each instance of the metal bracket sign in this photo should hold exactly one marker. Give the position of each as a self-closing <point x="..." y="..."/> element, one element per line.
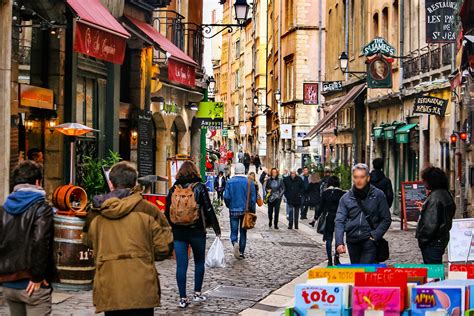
<point x="332" y="86"/>
<point x="430" y="105"/>
<point x="378" y="46"/>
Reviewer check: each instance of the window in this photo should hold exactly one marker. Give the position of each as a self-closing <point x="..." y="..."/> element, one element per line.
<point x="85" y="107"/>
<point x="375" y="25"/>
<point x="289" y="6"/>
<point x="237" y="49"/>
<point x="289" y="80"/>
<point x="395" y="23"/>
<point x="363" y="22"/>
<point x="384" y="30"/>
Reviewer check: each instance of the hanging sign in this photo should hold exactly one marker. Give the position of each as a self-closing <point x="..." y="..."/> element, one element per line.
<point x="36" y="97"/>
<point x="430" y="105"/>
<point x="286" y="131"/>
<point x="379" y="72"/>
<point x="181" y="73"/>
<point x="146" y="144"/>
<point x="378" y="46"/>
<point x="310" y="93"/>
<point x="210" y="114"/>
<point x="332" y="86"/>
<point x="440" y="21"/>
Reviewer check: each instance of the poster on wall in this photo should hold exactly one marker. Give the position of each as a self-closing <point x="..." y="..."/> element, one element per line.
<point x="145" y="144"/>
<point x="286" y="131"/>
<point x="440" y="21"/>
<point x="310" y="93"/>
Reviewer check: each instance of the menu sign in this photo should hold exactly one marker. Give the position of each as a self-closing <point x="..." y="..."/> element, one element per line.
<point x="146" y="145"/>
<point x="430" y="105"/>
<point x="440" y="20"/>
<point x="413" y="196"/>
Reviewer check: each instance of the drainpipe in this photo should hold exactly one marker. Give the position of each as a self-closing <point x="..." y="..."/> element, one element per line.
<point x="280" y="142"/>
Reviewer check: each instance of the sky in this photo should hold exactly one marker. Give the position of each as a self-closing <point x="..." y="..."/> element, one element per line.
<point x="208" y="7"/>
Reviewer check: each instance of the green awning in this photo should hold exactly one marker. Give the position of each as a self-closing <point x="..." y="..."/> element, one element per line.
<point x="406" y="129"/>
<point x="389" y="132"/>
<point x="378" y="132"/>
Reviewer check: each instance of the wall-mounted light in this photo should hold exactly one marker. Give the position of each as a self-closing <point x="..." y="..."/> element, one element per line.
<point x="52" y="123"/>
<point x="29" y="124"/>
<point x="134" y="135"/>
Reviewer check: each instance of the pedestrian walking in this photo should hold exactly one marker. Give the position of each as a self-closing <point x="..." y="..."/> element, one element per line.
<point x="275" y="190"/>
<point x="304" y="205"/>
<point x="257" y="163"/>
<point x="314" y="195"/>
<point x="189" y="211"/>
<point x="380" y="181"/>
<point x="328" y="209"/>
<point x="26" y="244"/>
<point x="252" y="177"/>
<point x="127" y="234"/>
<point x="360" y="209"/>
<point x="240" y="156"/>
<point x="246" y="162"/>
<point x="219" y="185"/>
<point x="436" y="218"/>
<point x="294" y="188"/>
<point x="235" y="197"/>
<point x="325" y="178"/>
<point x="263" y="178"/>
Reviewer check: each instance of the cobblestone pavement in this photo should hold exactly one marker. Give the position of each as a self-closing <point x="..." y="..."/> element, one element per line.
<point x="270" y="264"/>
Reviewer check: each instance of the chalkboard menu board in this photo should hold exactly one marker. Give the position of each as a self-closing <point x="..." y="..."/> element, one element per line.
<point x="440" y="21"/>
<point x="413" y="196"/>
<point x="146" y="145"/>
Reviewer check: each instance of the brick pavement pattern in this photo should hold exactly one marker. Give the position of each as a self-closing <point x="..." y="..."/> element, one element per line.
<point x="269" y="265"/>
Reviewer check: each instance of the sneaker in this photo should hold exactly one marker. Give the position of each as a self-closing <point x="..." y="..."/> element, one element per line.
<point x="242" y="256"/>
<point x="303" y="217"/>
<point x="236" y="251"/>
<point x="198" y="297"/>
<point x="183" y="302"/>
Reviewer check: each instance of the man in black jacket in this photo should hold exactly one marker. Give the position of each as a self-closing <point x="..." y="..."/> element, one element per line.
<point x="294" y="188"/>
<point x="380" y="181"/>
<point x="26" y="244"/>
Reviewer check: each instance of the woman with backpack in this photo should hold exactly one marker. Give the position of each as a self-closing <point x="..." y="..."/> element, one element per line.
<point x="189" y="211"/>
<point x="275" y="190"/>
<point x="328" y="209"/>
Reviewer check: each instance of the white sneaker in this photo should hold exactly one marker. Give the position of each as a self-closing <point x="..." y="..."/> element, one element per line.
<point x="198" y="297"/>
<point x="236" y="250"/>
<point x="183" y="302"/>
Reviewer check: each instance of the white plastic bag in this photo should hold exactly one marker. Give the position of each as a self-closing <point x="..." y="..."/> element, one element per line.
<point x="216" y="257"/>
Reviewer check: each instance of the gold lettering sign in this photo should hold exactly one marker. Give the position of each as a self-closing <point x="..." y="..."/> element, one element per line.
<point x="36" y="97"/>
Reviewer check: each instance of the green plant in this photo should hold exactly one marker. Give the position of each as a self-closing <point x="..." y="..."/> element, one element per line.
<point x="218" y="206"/>
<point x="92" y="179"/>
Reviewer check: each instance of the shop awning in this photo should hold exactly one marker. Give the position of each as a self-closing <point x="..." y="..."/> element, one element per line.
<point x="349" y="97"/>
<point x="406" y="129"/>
<point x="403" y="133"/>
<point x="98" y="33"/>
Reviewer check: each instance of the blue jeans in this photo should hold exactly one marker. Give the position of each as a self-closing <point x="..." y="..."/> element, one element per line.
<point x="362" y="252"/>
<point x="198" y="245"/>
<point x="433" y="253"/>
<point x="293" y="215"/>
<point x="235" y="226"/>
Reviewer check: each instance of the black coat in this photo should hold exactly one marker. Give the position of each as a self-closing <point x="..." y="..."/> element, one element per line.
<point x="436" y="219"/>
<point x="294" y="189"/>
<point x="381" y="182"/>
<point x="313" y="194"/>
<point x="329" y="204"/>
<point x="216" y="184"/>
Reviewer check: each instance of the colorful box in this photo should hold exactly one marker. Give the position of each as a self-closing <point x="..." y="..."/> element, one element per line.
<point x="320" y="297"/>
<point x="383" y="280"/>
<point x="386" y="299"/>
<point x="435" y="271"/>
<point x="366" y="267"/>
<point x="333" y="275"/>
<point x="434" y="298"/>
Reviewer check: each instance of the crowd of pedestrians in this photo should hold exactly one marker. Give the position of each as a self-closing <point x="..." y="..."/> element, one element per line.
<point x="129" y="234"/>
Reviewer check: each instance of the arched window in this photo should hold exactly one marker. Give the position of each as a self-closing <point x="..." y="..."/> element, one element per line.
<point x="384" y="30"/>
<point x="375" y="25"/>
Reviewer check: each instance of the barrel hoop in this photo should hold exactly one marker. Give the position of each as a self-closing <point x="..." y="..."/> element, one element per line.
<point x="68" y="227"/>
<point x="68" y="241"/>
<point x="65" y="268"/>
<point x="66" y="281"/>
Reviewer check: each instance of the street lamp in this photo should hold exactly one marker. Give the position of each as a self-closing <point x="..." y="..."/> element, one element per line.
<point x="255" y="100"/>
<point x="343" y="61"/>
<point x="241" y="11"/>
<point x="277" y="96"/>
<point x="211" y="83"/>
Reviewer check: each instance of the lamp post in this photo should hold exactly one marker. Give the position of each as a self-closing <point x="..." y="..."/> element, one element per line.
<point x="344" y="64"/>
<point x="211" y="86"/>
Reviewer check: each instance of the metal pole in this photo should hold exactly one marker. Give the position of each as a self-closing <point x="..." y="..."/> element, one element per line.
<point x="280" y="72"/>
<point x="72" y="180"/>
<point x="346" y="33"/>
<point x="203" y="145"/>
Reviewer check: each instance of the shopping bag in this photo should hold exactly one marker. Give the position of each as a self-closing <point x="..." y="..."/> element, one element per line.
<point x="216" y="257"/>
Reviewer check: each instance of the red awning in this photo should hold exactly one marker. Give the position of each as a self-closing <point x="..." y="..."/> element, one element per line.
<point x="163" y="42"/>
<point x="98" y="33"/>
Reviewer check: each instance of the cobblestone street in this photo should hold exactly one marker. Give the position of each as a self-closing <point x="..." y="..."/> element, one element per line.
<point x="274" y="258"/>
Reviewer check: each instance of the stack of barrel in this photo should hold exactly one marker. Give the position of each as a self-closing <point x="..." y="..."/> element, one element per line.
<point x="74" y="260"/>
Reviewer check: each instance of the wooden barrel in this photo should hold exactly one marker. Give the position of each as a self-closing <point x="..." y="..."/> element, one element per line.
<point x="70" y="198"/>
<point x="74" y="260"/>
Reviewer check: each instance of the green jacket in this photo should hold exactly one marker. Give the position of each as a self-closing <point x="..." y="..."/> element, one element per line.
<point x="127" y="236"/>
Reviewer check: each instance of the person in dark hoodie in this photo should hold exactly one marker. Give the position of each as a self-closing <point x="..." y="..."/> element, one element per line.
<point x="193" y="234"/>
<point x="26" y="244"/>
<point x="380" y="181"/>
<point x="128" y="234"/>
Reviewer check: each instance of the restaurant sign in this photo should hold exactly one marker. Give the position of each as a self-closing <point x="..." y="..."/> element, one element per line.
<point x="440" y="21"/>
<point x="100" y="44"/>
<point x="36" y="97"/>
<point x="181" y="73"/>
<point x="332" y="86"/>
<point x="378" y="46"/>
<point x="310" y="93"/>
<point x="430" y="105"/>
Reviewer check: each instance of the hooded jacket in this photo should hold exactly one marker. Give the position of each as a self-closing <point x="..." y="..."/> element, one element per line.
<point x="381" y="182"/>
<point x="127" y="234"/>
<point x="26" y="237"/>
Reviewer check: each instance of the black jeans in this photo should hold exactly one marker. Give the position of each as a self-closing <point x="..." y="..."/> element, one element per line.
<point x="329" y="238"/>
<point x="274" y="212"/>
<point x="131" y="312"/>
<point x="433" y="253"/>
<point x="293" y="216"/>
<point x="304" y="207"/>
<point x="220" y="195"/>
<point x="362" y="252"/>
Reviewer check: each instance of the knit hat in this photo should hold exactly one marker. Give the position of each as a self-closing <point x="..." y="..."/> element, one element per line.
<point x="239" y="168"/>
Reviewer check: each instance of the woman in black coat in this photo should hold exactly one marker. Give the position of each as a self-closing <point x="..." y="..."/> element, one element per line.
<point x="328" y="207"/>
<point x="313" y="194"/>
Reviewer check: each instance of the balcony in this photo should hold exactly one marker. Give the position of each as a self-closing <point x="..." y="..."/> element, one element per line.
<point x="427" y="60"/>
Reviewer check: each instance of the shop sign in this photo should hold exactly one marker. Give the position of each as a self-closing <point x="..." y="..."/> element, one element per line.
<point x="286" y="131"/>
<point x="146" y="144"/>
<point x="440" y="21"/>
<point x="332" y="86"/>
<point x="210" y="110"/>
<point x="215" y="124"/>
<point x="430" y="105"/>
<point x="36" y="97"/>
<point x="171" y="108"/>
<point x="100" y="44"/>
<point x="310" y="93"/>
<point x="225" y="132"/>
<point x="378" y="46"/>
<point x="379" y="73"/>
<point x="231" y="134"/>
<point x="181" y="73"/>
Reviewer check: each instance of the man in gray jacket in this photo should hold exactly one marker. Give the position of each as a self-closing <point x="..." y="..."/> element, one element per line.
<point x="361" y="239"/>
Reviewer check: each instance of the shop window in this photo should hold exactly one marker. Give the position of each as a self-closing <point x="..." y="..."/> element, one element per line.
<point x="85" y="96"/>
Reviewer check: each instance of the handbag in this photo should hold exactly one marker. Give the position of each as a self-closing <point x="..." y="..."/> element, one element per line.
<point x="383" y="250"/>
<point x="259" y="200"/>
<point x="250" y="219"/>
<point x="321" y="228"/>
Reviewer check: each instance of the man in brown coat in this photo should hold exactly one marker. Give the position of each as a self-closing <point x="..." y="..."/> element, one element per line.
<point x="127" y="234"/>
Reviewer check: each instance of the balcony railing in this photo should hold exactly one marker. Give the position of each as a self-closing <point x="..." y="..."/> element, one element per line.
<point x="426" y="60"/>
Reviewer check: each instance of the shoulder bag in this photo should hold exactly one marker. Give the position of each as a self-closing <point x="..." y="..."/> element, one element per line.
<point x="250" y="218"/>
<point x="321" y="228"/>
<point x="383" y="251"/>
